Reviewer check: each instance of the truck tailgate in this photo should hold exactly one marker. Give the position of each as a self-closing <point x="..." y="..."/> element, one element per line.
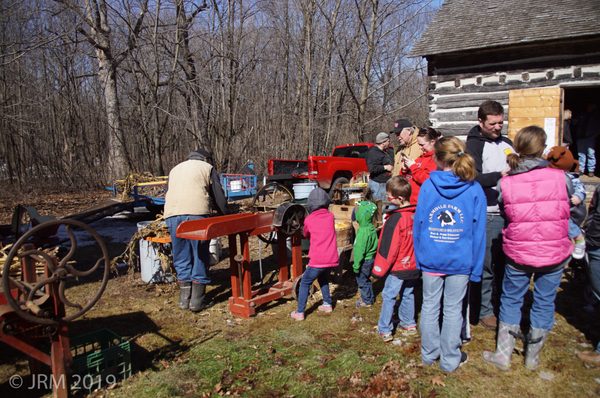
<point x="285" y="166"/>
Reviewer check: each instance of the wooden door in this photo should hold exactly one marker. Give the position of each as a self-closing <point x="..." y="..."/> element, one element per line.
<point x="536" y="106"/>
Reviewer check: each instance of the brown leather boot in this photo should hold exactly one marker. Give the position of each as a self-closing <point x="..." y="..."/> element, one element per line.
<point x="589" y="357"/>
<point x="489" y="322"/>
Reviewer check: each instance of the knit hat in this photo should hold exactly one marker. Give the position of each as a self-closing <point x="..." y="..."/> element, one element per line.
<point x="201" y="154"/>
<point x="317" y="199"/>
<point x="381" y="138"/>
<point x="561" y="158"/>
<point x="401" y="124"/>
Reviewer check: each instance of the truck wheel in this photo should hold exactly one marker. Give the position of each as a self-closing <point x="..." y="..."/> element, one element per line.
<point x="337" y="183"/>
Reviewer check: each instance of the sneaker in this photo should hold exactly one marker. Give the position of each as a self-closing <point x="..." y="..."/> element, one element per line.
<point x="298" y="316"/>
<point x="489" y="322"/>
<point x="579" y="251"/>
<point x="361" y="304"/>
<point x="464" y="358"/>
<point x="386" y="337"/>
<point x="409" y="330"/>
<point x="325" y="308"/>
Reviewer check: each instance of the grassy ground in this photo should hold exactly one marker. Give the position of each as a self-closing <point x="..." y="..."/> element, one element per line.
<point x="178" y="353"/>
<point x="340" y="355"/>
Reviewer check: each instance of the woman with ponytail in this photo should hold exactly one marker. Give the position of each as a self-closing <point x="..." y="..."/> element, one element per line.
<point x="449" y="237"/>
<point x="417" y="171"/>
<point x="535" y="202"/>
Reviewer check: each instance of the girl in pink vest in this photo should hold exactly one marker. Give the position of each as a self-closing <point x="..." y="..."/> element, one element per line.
<point x="535" y="202"/>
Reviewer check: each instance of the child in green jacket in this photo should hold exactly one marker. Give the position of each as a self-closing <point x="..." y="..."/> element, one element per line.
<point x="365" y="248"/>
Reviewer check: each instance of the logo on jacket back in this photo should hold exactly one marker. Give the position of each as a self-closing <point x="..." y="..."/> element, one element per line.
<point x="451" y="221"/>
<point x="446" y="217"/>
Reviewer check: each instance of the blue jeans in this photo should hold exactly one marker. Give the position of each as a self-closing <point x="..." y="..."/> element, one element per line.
<point x="574" y="230"/>
<point x="378" y="191"/>
<point x="444" y="345"/>
<point x="406" y="309"/>
<point x="190" y="257"/>
<point x="309" y="276"/>
<point x="586" y="147"/>
<point x="514" y="287"/>
<point x="364" y="282"/>
<point x="593" y="270"/>
<point x="493" y="262"/>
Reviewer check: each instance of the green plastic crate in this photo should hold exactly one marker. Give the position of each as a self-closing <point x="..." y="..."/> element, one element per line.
<point x="100" y="359"/>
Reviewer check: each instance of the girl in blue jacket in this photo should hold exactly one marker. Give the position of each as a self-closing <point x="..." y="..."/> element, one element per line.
<point x="449" y="238"/>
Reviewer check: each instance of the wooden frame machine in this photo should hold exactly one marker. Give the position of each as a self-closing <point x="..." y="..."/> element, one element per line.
<point x="286" y="221"/>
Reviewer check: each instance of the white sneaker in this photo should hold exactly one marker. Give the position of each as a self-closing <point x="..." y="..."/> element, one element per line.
<point x="579" y="251"/>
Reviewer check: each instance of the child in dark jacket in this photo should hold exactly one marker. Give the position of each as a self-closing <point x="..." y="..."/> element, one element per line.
<point x="395" y="254"/>
<point x="449" y="235"/>
<point x="365" y="247"/>
<point x="319" y="227"/>
<point x="561" y="158"/>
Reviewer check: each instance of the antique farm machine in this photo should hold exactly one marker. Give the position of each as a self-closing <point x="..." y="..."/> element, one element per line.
<point x="275" y="219"/>
<point x="44" y="287"/>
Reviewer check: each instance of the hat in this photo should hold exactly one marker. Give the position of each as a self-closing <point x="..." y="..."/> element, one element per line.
<point x="201" y="154"/>
<point x="317" y="199"/>
<point x="401" y="124"/>
<point x="381" y="138"/>
<point x="561" y="158"/>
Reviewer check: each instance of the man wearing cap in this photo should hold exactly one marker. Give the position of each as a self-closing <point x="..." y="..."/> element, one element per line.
<point x="380" y="160"/>
<point x="407" y="138"/>
<point x="193" y="191"/>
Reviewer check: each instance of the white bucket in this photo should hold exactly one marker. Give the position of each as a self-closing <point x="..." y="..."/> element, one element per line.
<point x="150" y="268"/>
<point x="355" y="196"/>
<point x="235" y="185"/>
<point x="215" y="251"/>
<point x="301" y="190"/>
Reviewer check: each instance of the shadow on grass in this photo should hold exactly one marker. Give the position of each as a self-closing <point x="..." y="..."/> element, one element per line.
<point x="130" y="326"/>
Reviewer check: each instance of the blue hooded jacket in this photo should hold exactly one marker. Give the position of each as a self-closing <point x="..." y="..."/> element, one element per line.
<point x="449" y="226"/>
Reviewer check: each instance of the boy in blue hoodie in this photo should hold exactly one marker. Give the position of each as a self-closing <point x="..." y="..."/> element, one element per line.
<point x="449" y="239"/>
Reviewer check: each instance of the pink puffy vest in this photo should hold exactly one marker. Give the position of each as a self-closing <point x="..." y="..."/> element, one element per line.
<point x="537" y="210"/>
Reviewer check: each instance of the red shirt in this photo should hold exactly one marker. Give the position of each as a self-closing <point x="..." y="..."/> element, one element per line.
<point x="418" y="173"/>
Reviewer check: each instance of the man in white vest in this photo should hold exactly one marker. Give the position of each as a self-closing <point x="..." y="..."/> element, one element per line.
<point x="194" y="191"/>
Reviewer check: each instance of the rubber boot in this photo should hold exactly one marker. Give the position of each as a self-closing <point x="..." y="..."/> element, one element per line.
<point x="197" y="299"/>
<point x="535" y="341"/>
<point x="185" y="291"/>
<point x="504" y="346"/>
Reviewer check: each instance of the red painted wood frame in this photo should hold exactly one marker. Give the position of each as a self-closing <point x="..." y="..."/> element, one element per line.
<point x="244" y="299"/>
<point x="60" y="358"/>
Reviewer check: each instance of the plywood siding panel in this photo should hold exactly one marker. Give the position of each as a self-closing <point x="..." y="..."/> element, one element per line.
<point x="532" y="106"/>
<point x="539" y="101"/>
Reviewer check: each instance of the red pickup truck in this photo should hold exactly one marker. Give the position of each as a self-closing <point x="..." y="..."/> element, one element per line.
<point x="345" y="162"/>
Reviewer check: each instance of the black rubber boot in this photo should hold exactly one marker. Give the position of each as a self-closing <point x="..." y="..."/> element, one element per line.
<point x="185" y="291"/>
<point x="197" y="299"/>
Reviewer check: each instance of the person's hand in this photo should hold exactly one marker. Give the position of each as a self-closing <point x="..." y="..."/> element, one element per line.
<point x="504" y="172"/>
<point x="408" y="162"/>
<point x="388" y="167"/>
<point x="575" y="200"/>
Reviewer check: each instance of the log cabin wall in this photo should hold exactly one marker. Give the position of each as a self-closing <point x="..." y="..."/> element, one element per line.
<point x="455" y="98"/>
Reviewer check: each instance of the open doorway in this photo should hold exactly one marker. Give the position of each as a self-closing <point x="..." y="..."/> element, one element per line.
<point x="584" y="104"/>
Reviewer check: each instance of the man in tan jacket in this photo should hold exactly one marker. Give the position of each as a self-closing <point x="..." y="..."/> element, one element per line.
<point x="194" y="190"/>
<point x="407" y="138"/>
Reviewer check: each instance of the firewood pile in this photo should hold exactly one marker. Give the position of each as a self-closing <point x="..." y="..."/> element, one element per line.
<point x="15" y="266"/>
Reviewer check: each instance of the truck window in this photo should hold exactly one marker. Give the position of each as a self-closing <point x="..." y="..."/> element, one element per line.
<point x="351" y="152"/>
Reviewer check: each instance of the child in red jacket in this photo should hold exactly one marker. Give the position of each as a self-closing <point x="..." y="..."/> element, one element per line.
<point x="319" y="227"/>
<point x="417" y="171"/>
<point x="395" y="254"/>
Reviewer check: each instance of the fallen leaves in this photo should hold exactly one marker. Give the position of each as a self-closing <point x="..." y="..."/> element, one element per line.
<point x="438" y="381"/>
